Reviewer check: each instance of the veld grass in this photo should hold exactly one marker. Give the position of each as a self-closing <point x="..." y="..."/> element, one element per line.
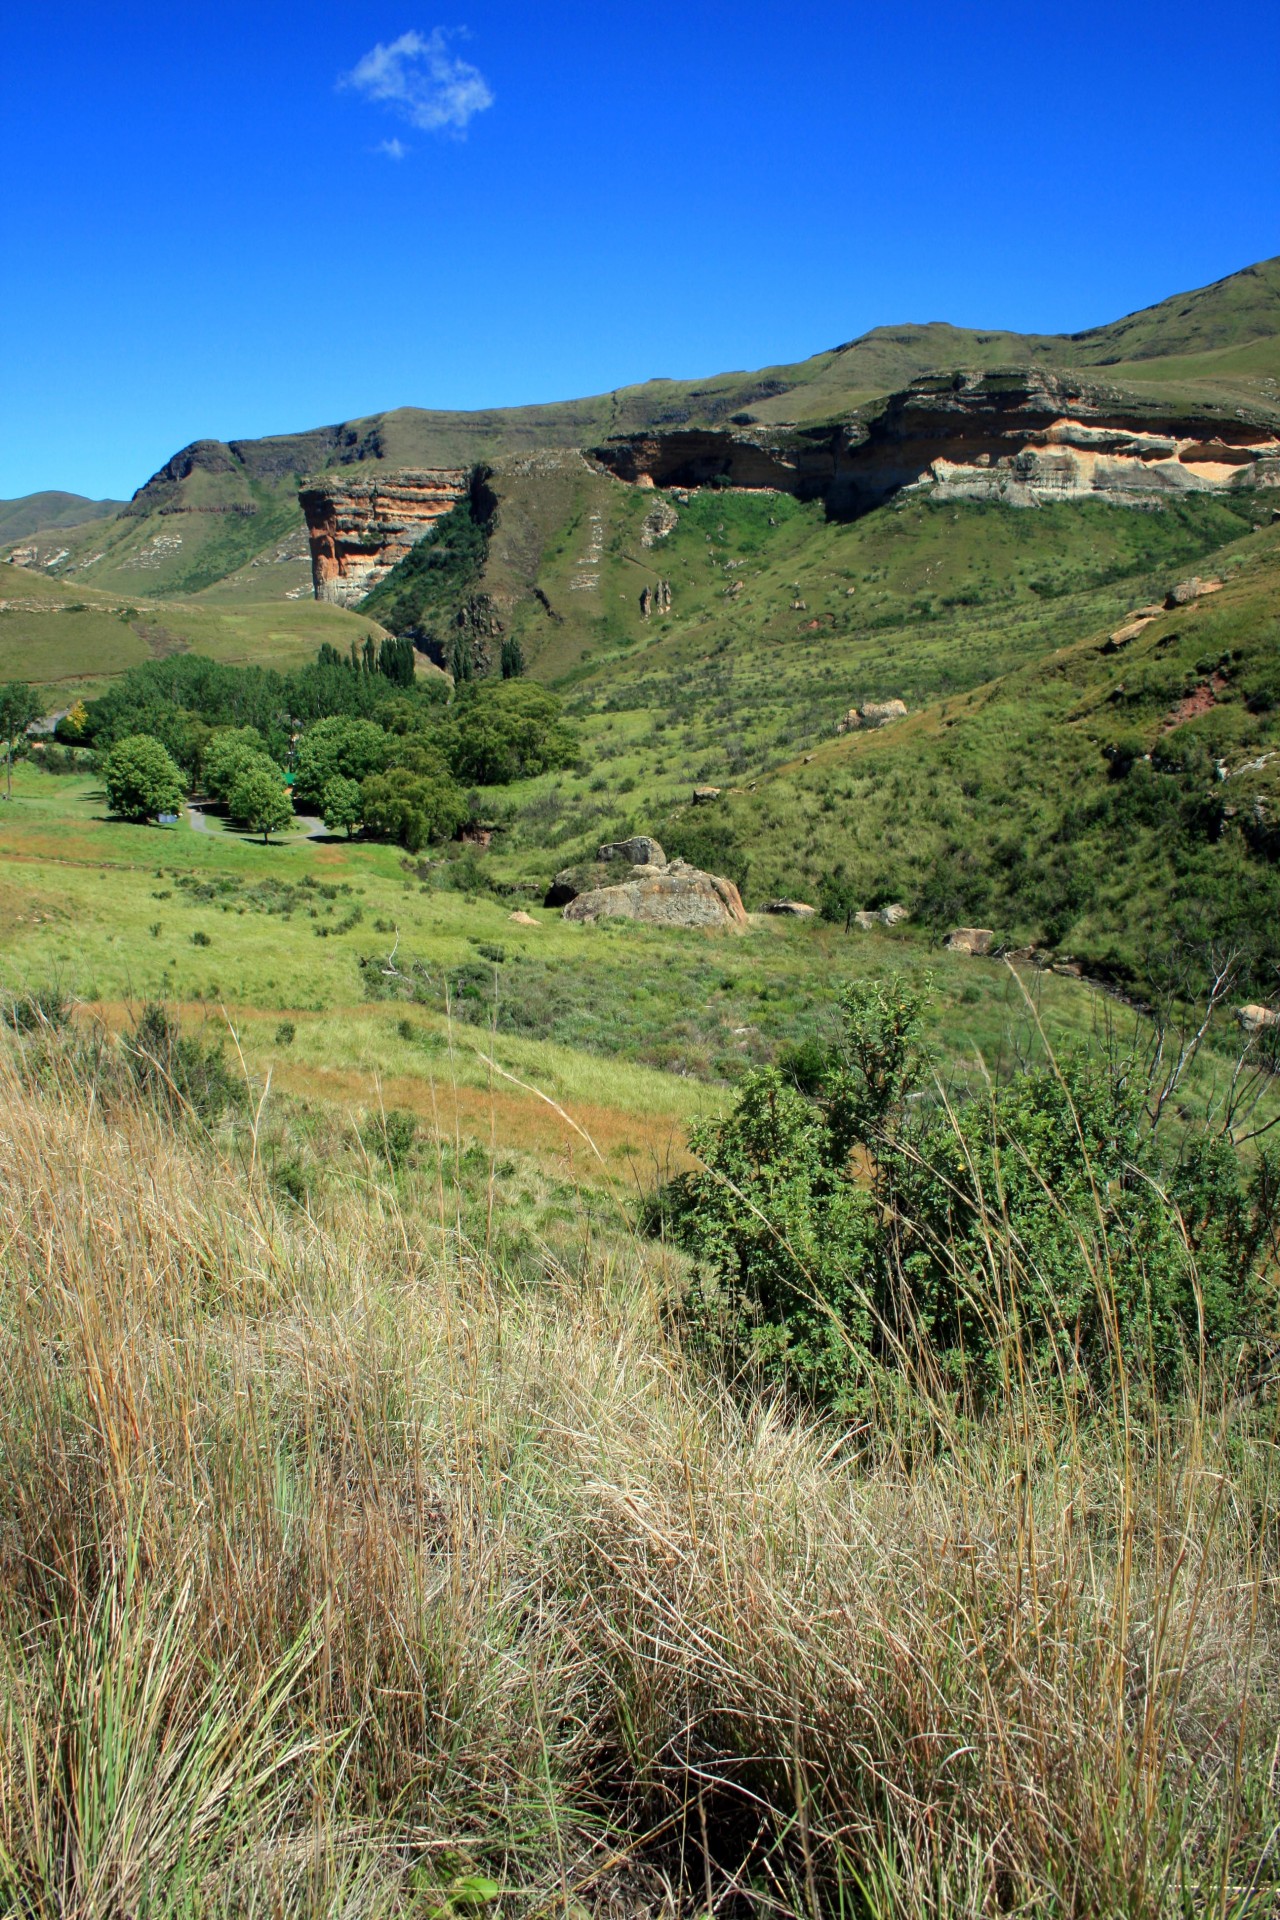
<point x="635" y="1023"/>
<point x="345" y="1570"/>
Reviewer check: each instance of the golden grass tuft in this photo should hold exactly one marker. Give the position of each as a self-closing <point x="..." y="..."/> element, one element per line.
<point x="337" y="1566"/>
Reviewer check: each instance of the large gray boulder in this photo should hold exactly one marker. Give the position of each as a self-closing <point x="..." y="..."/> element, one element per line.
<point x="675" y="895"/>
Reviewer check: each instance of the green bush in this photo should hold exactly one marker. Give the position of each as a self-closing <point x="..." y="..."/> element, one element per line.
<point x="180" y="1071"/>
<point x="851" y="1226"/>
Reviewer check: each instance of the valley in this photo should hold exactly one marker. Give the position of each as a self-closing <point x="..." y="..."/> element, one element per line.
<point x="639" y="1254"/>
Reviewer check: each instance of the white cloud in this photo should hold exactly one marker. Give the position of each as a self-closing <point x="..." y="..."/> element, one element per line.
<point x="418" y="78"/>
<point x="394" y="149"/>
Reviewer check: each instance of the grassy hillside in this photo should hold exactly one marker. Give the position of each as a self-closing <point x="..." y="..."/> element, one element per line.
<point x="36" y="511"/>
<point x="70" y="639"/>
<point x="1103" y="802"/>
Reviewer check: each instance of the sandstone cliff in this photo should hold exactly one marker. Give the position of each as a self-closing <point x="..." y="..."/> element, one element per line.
<point x="359" y="527"/>
<point x="1021" y="436"/>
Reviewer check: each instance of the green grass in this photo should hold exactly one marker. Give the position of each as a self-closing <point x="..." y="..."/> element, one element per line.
<point x="406" y="982"/>
<point x="71" y="640"/>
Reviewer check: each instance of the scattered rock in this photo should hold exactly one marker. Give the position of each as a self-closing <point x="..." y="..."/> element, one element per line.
<point x="701" y="795"/>
<point x="1123" y="635"/>
<point x="1254" y="1019"/>
<point x="971" y="940"/>
<point x="523" y="919"/>
<point x="676" y="895"/>
<point x="871" y="917"/>
<point x="641" y="850"/>
<point x="798" y="909"/>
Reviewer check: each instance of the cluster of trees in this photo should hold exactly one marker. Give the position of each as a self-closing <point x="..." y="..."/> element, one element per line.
<point x="395" y="657"/>
<point x="390" y="759"/>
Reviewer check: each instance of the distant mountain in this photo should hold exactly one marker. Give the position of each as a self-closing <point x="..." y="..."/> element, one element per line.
<point x="37" y="512"/>
<point x="223" y="516"/>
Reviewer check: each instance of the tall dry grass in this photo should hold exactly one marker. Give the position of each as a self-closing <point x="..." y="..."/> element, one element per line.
<point x="336" y="1568"/>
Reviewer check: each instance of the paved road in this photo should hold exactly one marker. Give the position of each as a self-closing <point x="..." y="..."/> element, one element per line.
<point x="308" y="823"/>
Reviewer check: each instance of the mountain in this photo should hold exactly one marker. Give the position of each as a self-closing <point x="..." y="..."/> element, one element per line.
<point x="35" y="512"/>
<point x="223" y="516"/>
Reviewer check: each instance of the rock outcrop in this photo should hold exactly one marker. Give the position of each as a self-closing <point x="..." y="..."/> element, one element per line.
<point x="1021" y="436"/>
<point x="674" y="895"/>
<point x="796" y="909"/>
<point x="359" y="527"/>
<point x="871" y="917"/>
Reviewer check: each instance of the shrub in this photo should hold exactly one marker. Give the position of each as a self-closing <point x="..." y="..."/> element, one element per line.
<point x="179" y="1071"/>
<point x="840" y="1229"/>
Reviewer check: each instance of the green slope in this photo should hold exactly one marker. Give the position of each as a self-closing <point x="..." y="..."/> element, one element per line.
<point x="38" y="512"/>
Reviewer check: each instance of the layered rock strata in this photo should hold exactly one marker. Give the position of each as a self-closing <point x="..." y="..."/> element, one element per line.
<point x="1021" y="437"/>
<point x="359" y="528"/>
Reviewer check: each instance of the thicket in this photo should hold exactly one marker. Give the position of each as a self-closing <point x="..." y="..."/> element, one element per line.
<point x="848" y="1217"/>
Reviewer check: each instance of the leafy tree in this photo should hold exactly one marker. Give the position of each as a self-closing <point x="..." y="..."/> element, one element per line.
<point x="19" y="706"/>
<point x="260" y="800"/>
<point x="512" y="658"/>
<point x="505" y="730"/>
<point x="412" y="808"/>
<point x="838" y="899"/>
<point x="343" y="805"/>
<point x="339" y="747"/>
<point x="142" y="779"/>
<point x="72" y="728"/>
<point x="230" y="752"/>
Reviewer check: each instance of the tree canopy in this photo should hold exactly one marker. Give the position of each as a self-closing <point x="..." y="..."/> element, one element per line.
<point x="142" y="779"/>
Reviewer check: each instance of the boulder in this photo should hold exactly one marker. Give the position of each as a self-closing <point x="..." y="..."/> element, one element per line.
<point x="1254" y="1019"/>
<point x="798" y="909"/>
<point x="701" y="795"/>
<point x="641" y="850"/>
<point x="1192" y="589"/>
<point x="890" y="916"/>
<point x="880" y="713"/>
<point x="571" y="881"/>
<point x="973" y="940"/>
<point x="676" y="895"/>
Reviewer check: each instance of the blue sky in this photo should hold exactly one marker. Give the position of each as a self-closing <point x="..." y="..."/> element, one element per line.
<point x="230" y="220"/>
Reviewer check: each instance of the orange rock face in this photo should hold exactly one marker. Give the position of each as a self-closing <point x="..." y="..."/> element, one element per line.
<point x="359" y="528"/>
